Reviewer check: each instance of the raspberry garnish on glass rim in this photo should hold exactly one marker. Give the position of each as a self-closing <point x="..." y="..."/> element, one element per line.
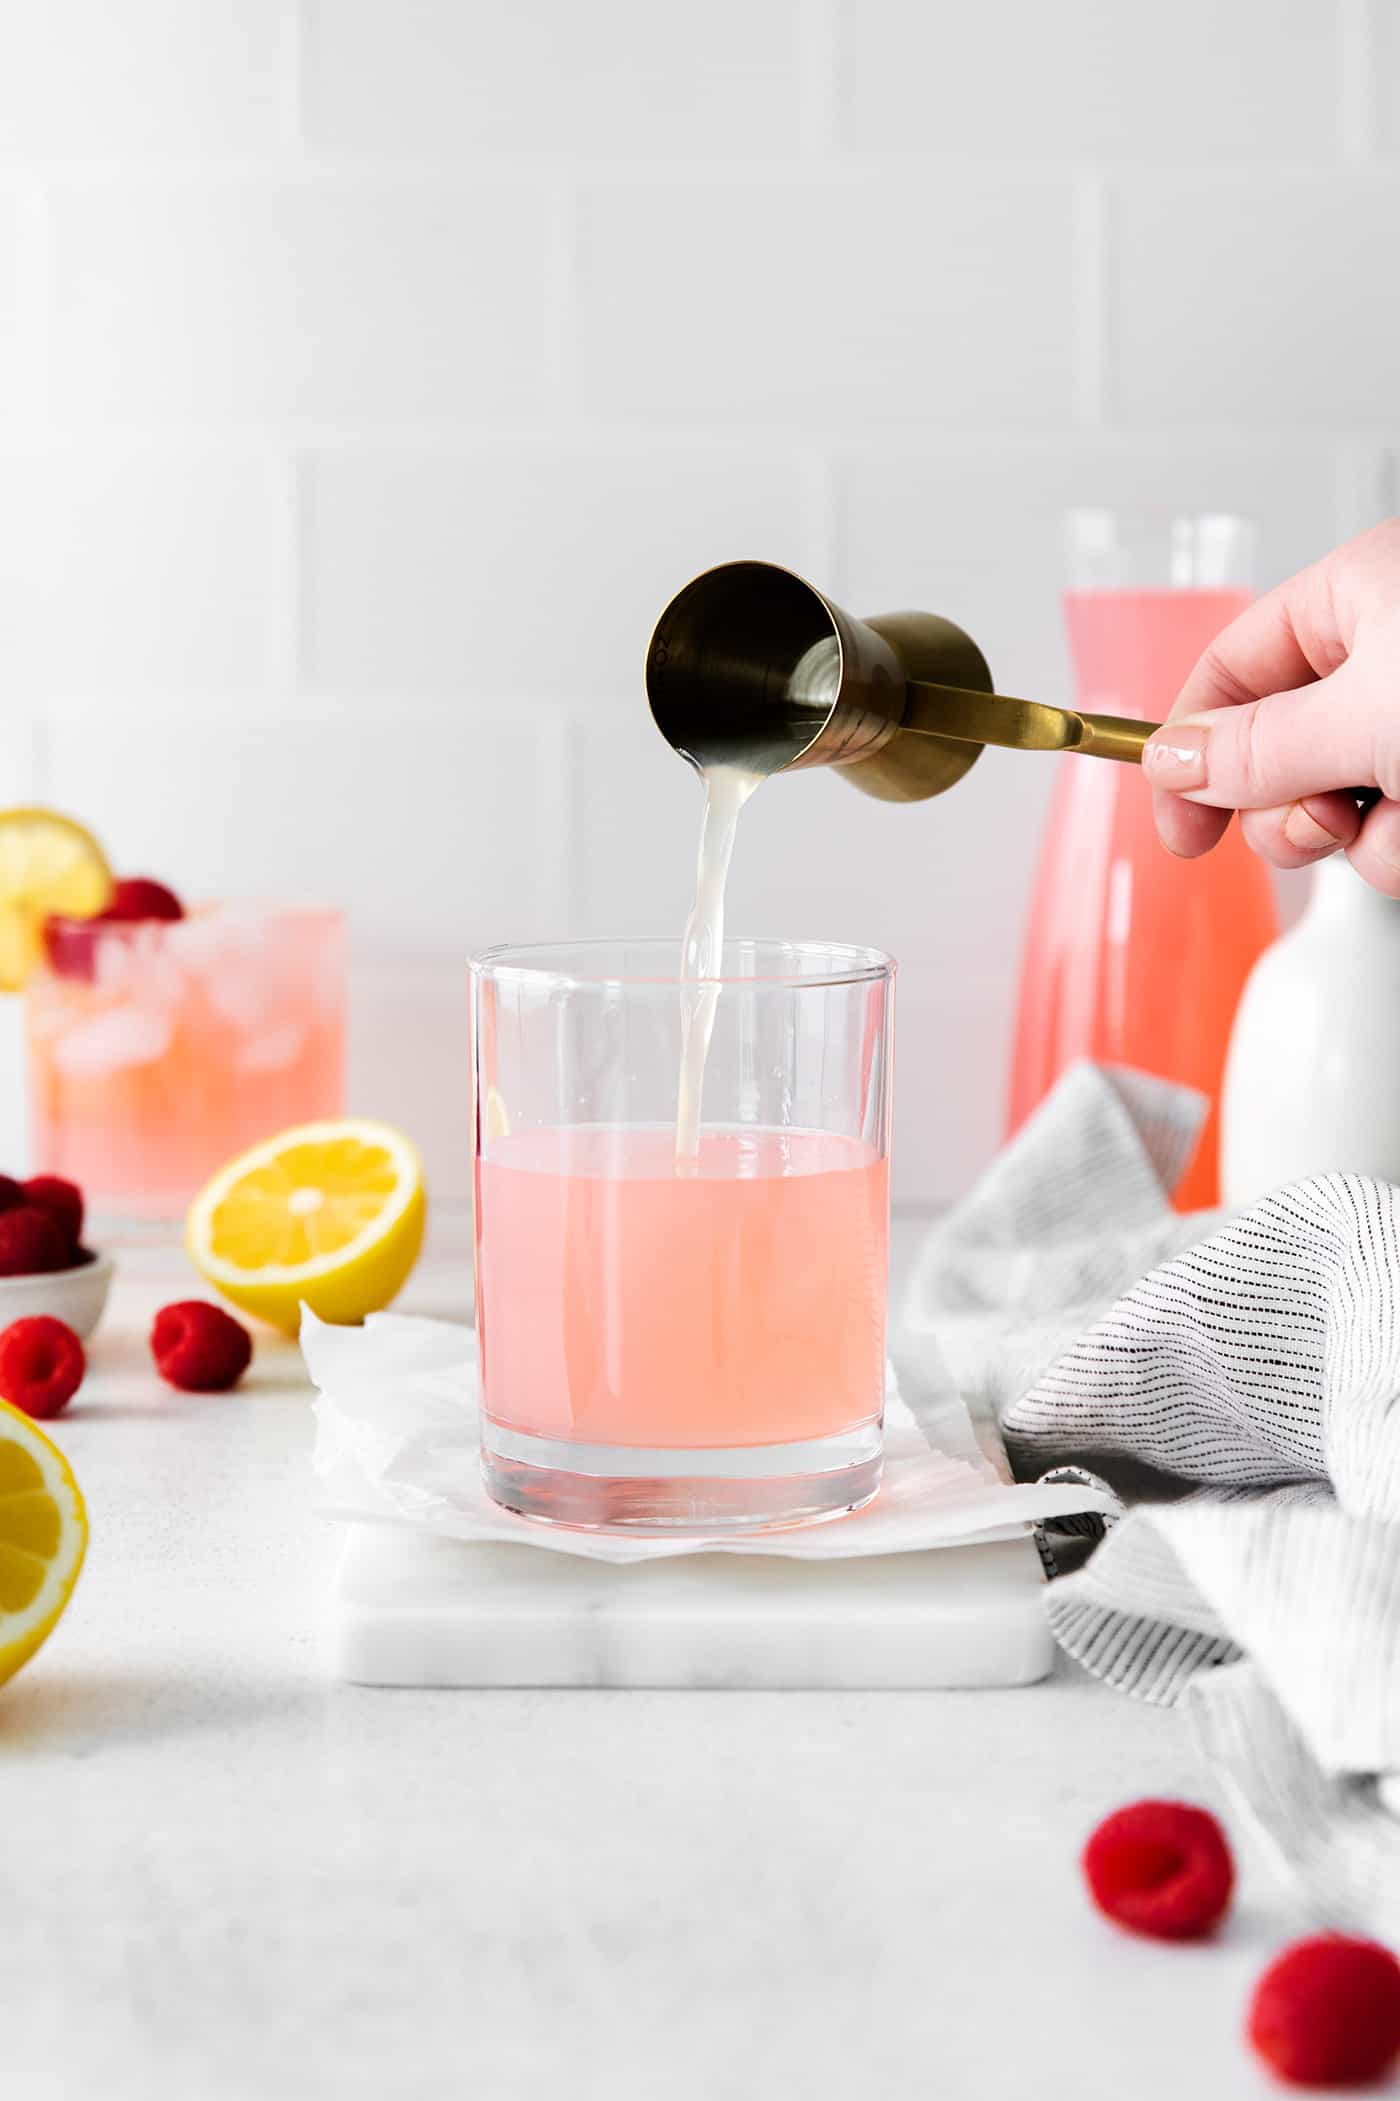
<point x="71" y="944"/>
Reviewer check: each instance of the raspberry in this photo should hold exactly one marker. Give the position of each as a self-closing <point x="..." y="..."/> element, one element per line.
<point x="41" y="1366"/>
<point x="72" y="943"/>
<point x="138" y="897"/>
<point x="1161" y="1868"/>
<point x="1327" y="2012"/>
<point x="62" y="1200"/>
<point x="200" y="1347"/>
<point x="11" y="1194"/>
<point x="30" y="1243"/>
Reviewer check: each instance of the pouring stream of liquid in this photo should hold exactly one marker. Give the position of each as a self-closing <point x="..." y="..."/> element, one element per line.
<point x="727" y="789"/>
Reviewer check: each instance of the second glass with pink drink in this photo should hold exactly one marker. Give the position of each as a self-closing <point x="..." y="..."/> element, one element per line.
<point x="161" y="1047"/>
<point x="676" y="1338"/>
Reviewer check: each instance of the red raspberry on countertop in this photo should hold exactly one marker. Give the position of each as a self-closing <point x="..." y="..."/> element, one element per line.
<point x="11" y="1193"/>
<point x="41" y="1366"/>
<point x="1327" y="2012"/>
<point x="1161" y="1868"/>
<point x="31" y="1244"/>
<point x="200" y="1347"/>
<point x="62" y="1200"/>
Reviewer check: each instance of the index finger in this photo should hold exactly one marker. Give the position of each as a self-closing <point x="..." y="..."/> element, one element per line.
<point x="1283" y="640"/>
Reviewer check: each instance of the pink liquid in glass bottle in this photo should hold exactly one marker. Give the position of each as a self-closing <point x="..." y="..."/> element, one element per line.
<point x="1132" y="956"/>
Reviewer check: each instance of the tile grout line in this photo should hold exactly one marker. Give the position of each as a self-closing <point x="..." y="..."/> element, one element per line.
<point x="1091" y="266"/>
<point x="344" y="167"/>
<point x="817" y="73"/>
<point x="290" y="643"/>
<point x="568" y="738"/>
<point x="458" y="440"/>
<point x="1358" y="486"/>
<point x="818" y="475"/>
<point x="1389" y="485"/>
<point x="298" y="36"/>
<point x="40" y="759"/>
<point x="564" y="240"/>
<point x="1356" y="89"/>
<point x="34" y="301"/>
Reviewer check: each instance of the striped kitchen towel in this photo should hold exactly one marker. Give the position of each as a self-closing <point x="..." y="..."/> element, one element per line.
<point x="1238" y="1382"/>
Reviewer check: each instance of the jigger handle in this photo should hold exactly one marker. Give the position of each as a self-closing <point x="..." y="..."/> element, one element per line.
<point x="1020" y="725"/>
<point x="1114" y="737"/>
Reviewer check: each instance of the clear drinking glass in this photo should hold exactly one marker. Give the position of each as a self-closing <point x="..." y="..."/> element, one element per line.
<point x="158" y="1049"/>
<point x="671" y="1344"/>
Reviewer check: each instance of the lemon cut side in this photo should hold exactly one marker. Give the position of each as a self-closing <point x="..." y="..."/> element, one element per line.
<point x="43" y="1538"/>
<point x="330" y="1214"/>
<point x="48" y="863"/>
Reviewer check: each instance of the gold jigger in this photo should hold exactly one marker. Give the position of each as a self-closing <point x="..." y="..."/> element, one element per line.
<point x="750" y="666"/>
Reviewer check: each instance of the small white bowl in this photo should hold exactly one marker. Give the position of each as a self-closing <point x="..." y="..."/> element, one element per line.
<point x="75" y="1296"/>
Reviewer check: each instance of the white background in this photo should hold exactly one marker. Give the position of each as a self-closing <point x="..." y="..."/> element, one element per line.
<point x="371" y="372"/>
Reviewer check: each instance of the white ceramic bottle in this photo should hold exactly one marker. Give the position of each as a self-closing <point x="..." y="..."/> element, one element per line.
<point x="1312" y="1081"/>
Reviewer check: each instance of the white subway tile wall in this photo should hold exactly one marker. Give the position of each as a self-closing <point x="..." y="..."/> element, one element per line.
<point x="539" y="77"/>
<point x="292" y="299"/>
<point x="12" y="370"/>
<point x="827" y="300"/>
<point x="1091" y="79"/>
<point x="1378" y="84"/>
<point x="83" y="78"/>
<point x="1308" y="337"/>
<point x="144" y="571"/>
<point x="371" y="371"/>
<point x="479" y="572"/>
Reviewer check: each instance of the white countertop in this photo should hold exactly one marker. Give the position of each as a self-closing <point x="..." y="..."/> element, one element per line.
<point x="224" y="1876"/>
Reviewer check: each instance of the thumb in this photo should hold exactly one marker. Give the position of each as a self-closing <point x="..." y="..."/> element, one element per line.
<point x="1270" y="751"/>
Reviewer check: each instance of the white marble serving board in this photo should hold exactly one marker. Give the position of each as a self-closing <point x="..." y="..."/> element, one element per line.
<point x="412" y="1607"/>
<point x="408" y="1608"/>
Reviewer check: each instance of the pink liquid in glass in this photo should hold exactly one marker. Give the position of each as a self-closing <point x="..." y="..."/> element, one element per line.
<point x="188" y="1042"/>
<point x="1132" y="956"/>
<point x="739" y="1304"/>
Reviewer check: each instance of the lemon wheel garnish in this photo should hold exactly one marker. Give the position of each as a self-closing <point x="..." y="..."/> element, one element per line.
<point x="48" y="863"/>
<point x="330" y="1214"/>
<point x="43" y="1538"/>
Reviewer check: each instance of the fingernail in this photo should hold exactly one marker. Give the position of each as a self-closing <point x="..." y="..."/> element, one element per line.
<point x="1301" y="829"/>
<point x="1176" y="757"/>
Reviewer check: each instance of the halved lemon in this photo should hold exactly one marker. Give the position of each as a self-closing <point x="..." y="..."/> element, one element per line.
<point x="48" y="863"/>
<point x="43" y="1538"/>
<point x="330" y="1214"/>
